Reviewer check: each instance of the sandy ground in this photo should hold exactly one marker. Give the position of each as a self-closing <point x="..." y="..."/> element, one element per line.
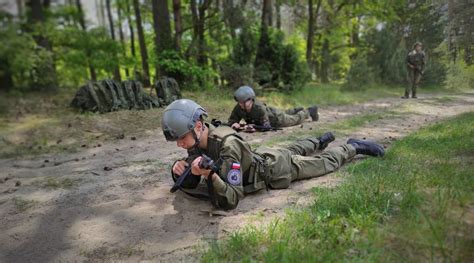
<point x="112" y="202"/>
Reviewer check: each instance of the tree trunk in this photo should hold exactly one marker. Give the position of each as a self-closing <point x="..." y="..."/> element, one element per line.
<point x="228" y="8"/>
<point x="93" y="75"/>
<point x="267" y="13"/>
<point x="178" y="25"/>
<point x="325" y="62"/>
<point x="161" y="24"/>
<point x="47" y="70"/>
<point x="312" y="20"/>
<point x="132" y="31"/>
<point x="278" y="13"/>
<point x="99" y="6"/>
<point x="202" y="56"/>
<point x="122" y="39"/>
<point x="198" y="18"/>
<point x="6" y="79"/>
<point x="19" y="6"/>
<point x="116" y="72"/>
<point x="141" y="41"/>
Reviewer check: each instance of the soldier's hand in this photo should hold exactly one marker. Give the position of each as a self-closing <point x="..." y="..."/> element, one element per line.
<point x="179" y="167"/>
<point x="249" y="128"/>
<point x="196" y="170"/>
<point x="235" y="126"/>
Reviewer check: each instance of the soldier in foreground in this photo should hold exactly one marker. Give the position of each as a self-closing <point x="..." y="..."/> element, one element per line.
<point x="415" y="65"/>
<point x="258" y="113"/>
<point x="238" y="170"/>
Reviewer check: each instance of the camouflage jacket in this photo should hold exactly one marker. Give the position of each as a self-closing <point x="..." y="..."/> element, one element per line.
<point x="416" y="59"/>
<point x="237" y="170"/>
<point x="260" y="114"/>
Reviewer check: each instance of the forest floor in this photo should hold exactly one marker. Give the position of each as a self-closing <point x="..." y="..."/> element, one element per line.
<point x="109" y="199"/>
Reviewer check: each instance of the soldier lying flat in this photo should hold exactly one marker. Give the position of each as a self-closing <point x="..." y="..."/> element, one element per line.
<point x="258" y="113"/>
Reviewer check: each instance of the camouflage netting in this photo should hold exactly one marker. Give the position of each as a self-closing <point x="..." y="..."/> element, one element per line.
<point x="109" y="95"/>
<point x="167" y="90"/>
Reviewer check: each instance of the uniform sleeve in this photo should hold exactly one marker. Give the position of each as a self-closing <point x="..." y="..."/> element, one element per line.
<point x="191" y="181"/>
<point x="261" y="112"/>
<point x="234" y="116"/>
<point x="228" y="186"/>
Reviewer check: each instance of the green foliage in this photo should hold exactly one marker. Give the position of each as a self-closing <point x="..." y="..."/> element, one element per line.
<point x="411" y="204"/>
<point x="277" y="65"/>
<point x="188" y="74"/>
<point x="360" y="74"/>
<point x="460" y="76"/>
<point x="20" y="56"/>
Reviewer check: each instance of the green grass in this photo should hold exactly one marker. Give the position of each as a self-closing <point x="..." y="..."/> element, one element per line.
<point x="54" y="183"/>
<point x="23" y="204"/>
<point x="412" y="205"/>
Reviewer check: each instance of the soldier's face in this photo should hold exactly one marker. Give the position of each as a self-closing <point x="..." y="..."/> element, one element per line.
<point x="187" y="141"/>
<point x="246" y="105"/>
<point x="418" y="48"/>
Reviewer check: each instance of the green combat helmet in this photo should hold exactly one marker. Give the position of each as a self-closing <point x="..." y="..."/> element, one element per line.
<point x="244" y="93"/>
<point x="417" y="44"/>
<point x="180" y="117"/>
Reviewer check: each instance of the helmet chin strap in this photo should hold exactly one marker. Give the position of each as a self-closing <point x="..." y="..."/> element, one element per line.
<point x="196" y="139"/>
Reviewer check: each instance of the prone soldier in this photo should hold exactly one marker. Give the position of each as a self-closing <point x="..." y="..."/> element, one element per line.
<point x="258" y="113"/>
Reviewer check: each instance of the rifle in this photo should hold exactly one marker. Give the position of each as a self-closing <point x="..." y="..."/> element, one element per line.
<point x="205" y="163"/>
<point x="246" y="127"/>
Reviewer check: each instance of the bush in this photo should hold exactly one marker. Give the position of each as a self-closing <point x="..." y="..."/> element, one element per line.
<point x="360" y="75"/>
<point x="186" y="73"/>
<point x="235" y="75"/>
<point x="460" y="76"/>
<point x="277" y="65"/>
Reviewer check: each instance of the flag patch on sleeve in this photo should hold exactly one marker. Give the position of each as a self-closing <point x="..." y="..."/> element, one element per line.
<point x="233" y="177"/>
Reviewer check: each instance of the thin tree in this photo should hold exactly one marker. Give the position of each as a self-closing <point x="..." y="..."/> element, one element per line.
<point x="162" y="26"/>
<point x="141" y="41"/>
<point x="130" y="28"/>
<point x="47" y="71"/>
<point x="121" y="36"/>
<point x="116" y="72"/>
<point x="312" y="20"/>
<point x="199" y="18"/>
<point x="82" y="23"/>
<point x="178" y="24"/>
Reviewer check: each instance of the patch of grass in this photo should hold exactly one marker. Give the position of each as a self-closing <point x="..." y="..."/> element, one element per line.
<point x="413" y="204"/>
<point x="23" y="204"/>
<point x="54" y="183"/>
<point x="361" y="120"/>
<point x="444" y="99"/>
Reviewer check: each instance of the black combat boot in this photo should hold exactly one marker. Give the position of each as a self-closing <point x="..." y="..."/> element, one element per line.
<point x="325" y="139"/>
<point x="313" y="112"/>
<point x="366" y="147"/>
<point x="413" y="95"/>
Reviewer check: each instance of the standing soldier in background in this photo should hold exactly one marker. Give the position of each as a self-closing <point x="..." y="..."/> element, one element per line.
<point x="415" y="66"/>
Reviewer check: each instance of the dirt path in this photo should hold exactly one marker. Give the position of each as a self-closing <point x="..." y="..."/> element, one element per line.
<point x="112" y="202"/>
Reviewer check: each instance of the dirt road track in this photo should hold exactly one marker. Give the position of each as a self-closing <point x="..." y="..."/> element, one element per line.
<point x="113" y="203"/>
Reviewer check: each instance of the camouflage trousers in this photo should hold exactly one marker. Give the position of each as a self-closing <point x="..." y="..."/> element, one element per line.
<point x="290" y="117"/>
<point x="297" y="161"/>
<point x="413" y="77"/>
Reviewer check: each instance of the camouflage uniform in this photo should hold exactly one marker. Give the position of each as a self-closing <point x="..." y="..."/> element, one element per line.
<point x="261" y="114"/>
<point x="245" y="171"/>
<point x="417" y="60"/>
